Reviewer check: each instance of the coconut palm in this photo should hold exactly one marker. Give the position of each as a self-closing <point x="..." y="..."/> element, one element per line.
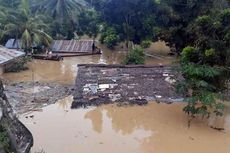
<point x="64" y="13"/>
<point x="60" y="9"/>
<point x="21" y="25"/>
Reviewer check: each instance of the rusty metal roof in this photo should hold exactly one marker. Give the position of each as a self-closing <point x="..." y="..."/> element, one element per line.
<point x="7" y="55"/>
<point x="72" y="45"/>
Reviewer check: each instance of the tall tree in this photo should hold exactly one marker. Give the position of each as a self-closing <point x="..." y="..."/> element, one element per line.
<point x="21" y="25"/>
<point x="174" y="16"/>
<point x="64" y="12"/>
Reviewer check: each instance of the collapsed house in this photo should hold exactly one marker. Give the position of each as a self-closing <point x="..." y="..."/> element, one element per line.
<point x="8" y="57"/>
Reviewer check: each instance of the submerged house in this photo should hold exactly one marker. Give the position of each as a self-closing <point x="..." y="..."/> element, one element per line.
<point x="8" y="57"/>
<point x="73" y="46"/>
<point x="13" y="44"/>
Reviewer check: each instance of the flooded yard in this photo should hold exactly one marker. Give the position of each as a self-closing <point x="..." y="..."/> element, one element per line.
<point x="153" y="128"/>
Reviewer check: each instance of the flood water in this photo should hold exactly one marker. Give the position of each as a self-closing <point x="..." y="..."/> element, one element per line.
<point x="154" y="128"/>
<point x="65" y="71"/>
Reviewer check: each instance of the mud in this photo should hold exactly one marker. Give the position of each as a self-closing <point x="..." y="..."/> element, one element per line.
<point x="29" y="96"/>
<point x="153" y="128"/>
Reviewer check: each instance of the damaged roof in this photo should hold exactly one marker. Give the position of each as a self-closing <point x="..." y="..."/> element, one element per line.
<point x="7" y="55"/>
<point x="72" y="46"/>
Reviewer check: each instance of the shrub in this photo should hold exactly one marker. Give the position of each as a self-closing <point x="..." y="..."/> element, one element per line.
<point x="146" y="43"/>
<point x="202" y="83"/>
<point x="19" y="65"/>
<point x="111" y="40"/>
<point x="109" y="37"/>
<point x="135" y="56"/>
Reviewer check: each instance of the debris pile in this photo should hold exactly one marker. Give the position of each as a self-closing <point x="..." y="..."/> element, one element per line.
<point x="29" y="96"/>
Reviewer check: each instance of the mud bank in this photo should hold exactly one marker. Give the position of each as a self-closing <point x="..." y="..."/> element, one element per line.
<point x="29" y="96"/>
<point x="103" y="84"/>
<point x="20" y="138"/>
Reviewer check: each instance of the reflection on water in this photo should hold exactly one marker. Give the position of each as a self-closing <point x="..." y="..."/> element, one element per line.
<point x="155" y="128"/>
<point x="65" y="71"/>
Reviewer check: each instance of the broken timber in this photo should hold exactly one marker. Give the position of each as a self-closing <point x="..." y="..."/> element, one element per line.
<point x="135" y="84"/>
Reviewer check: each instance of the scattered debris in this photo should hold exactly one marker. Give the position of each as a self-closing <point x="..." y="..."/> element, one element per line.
<point x="30" y="96"/>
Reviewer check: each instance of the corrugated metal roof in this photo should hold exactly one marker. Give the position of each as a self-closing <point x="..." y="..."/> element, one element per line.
<point x="13" y="44"/>
<point x="72" y="45"/>
<point x="8" y="54"/>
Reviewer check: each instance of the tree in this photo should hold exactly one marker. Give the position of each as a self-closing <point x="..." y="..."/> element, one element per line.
<point x="89" y="23"/>
<point x="205" y="64"/>
<point x="174" y="16"/>
<point x="21" y="25"/>
<point x="134" y="20"/>
<point x="64" y="13"/>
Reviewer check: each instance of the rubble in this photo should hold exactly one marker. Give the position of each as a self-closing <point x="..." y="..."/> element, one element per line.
<point x="27" y="96"/>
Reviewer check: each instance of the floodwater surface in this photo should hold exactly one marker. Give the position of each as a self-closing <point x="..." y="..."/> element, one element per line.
<point x="154" y="128"/>
<point x="66" y="71"/>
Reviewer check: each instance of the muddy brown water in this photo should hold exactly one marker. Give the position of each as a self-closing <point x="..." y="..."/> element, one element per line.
<point x="154" y="128"/>
<point x="65" y="71"/>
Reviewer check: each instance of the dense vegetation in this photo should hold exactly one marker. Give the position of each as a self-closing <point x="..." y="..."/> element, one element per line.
<point x="196" y="30"/>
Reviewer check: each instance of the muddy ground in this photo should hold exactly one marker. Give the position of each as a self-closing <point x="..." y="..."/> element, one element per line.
<point x="31" y="96"/>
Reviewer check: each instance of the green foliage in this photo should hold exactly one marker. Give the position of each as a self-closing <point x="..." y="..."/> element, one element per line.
<point x="89" y="23"/>
<point x="4" y="140"/>
<point x="20" y="24"/>
<point x="205" y="68"/>
<point x="135" y="56"/>
<point x="146" y="43"/>
<point x="109" y="37"/>
<point x="19" y="65"/>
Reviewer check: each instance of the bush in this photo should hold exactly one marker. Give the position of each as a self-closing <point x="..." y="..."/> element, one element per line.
<point x="202" y="84"/>
<point x="109" y="37"/>
<point x="111" y="40"/>
<point x="146" y="43"/>
<point x="135" y="56"/>
<point x="19" y="65"/>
